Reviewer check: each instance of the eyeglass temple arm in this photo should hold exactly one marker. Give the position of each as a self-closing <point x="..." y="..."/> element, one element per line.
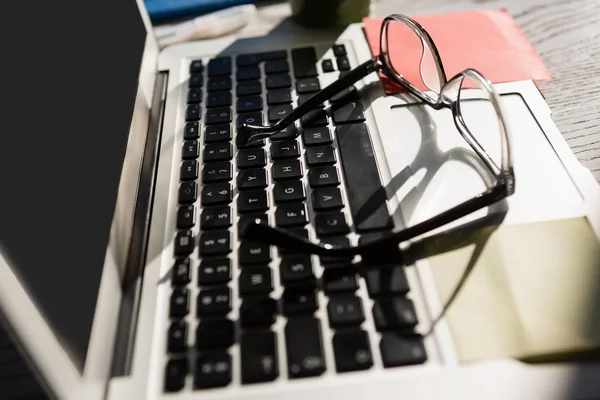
<point x="261" y="232"/>
<point x="247" y="133"/>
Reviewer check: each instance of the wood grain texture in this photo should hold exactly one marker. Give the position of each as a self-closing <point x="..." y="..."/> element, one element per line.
<point x="566" y="34"/>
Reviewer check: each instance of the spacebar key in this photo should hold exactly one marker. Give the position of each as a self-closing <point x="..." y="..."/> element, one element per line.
<point x="366" y="195"/>
<point x="304" y="344"/>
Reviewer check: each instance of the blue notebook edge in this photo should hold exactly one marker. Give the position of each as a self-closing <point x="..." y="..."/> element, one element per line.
<point x="160" y="10"/>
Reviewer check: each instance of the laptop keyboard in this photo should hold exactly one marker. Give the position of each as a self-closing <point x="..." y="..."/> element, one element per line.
<point x="314" y="178"/>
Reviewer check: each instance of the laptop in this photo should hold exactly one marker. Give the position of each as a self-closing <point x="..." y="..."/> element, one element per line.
<point x="122" y="274"/>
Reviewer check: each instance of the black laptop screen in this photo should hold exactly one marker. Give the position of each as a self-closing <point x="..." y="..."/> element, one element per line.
<point x="69" y="83"/>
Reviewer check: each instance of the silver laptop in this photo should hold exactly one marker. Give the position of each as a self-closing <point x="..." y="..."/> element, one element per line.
<point x="122" y="273"/>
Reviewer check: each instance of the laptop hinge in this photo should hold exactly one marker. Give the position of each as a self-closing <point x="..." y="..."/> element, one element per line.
<point x="136" y="259"/>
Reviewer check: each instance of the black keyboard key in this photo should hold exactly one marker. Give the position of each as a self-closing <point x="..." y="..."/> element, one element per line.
<point x="215" y="218"/>
<point x="190" y="150"/>
<point x="288" y="169"/>
<point x="177" y="337"/>
<point x="299" y="300"/>
<point x="218" y="193"/>
<point x="188" y="192"/>
<point x="175" y="373"/>
<point x="314" y="118"/>
<point x="253" y="201"/>
<point x="255" y="280"/>
<point x="192" y="112"/>
<point x="279" y="96"/>
<point x="254" y="253"/>
<point x="304" y="347"/>
<point x="213" y="370"/>
<point x="217" y="152"/>
<point x="196" y="66"/>
<point x="327" y="65"/>
<point x="321" y="155"/>
<point x="349" y="113"/>
<point x="276" y="67"/>
<point x="217" y="116"/>
<point x="215" y="333"/>
<point x="214" y="271"/>
<point x="398" y="349"/>
<point x="346" y="95"/>
<point x="329" y="224"/>
<point x="250" y="119"/>
<point x="279" y="112"/>
<point x="394" y="313"/>
<point x="217" y="133"/>
<point x="292" y="214"/>
<point x="248" y="179"/>
<point x="337" y="280"/>
<point x="344" y="311"/>
<point x="352" y="351"/>
<point x="300" y="232"/>
<point x="248" y="88"/>
<point x="280" y="81"/>
<point x="362" y="178"/>
<point x="194" y="96"/>
<point x="330" y="261"/>
<point x="215" y="243"/>
<point x="196" y="80"/>
<point x="304" y="61"/>
<point x="186" y="217"/>
<point x="189" y="170"/>
<point x="218" y="99"/>
<point x="285" y="149"/>
<point x="295" y="269"/>
<point x="255" y="58"/>
<point x="180" y="303"/>
<point x="251" y="158"/>
<point x="343" y="64"/>
<point x="327" y="199"/>
<point x="317" y="136"/>
<point x="184" y="243"/>
<point x="258" y="311"/>
<point x="308" y="85"/>
<point x="290" y="132"/>
<point x="249" y="104"/>
<point x="323" y="176"/>
<point x="246" y="219"/>
<point x="244" y="60"/>
<point x="217" y="84"/>
<point x="339" y="50"/>
<point x="259" y="356"/>
<point x="287" y="191"/>
<point x="387" y="280"/>
<point x="214" y="301"/>
<point x="219" y="66"/>
<point x="182" y="272"/>
<point x="191" y="131"/>
<point x="303" y="98"/>
<point x="247" y="73"/>
<point x="217" y="172"/>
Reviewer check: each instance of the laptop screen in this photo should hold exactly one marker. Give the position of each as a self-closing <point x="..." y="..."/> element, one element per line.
<point x="70" y="92"/>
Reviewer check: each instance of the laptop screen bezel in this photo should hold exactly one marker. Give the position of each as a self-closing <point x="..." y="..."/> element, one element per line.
<point x="42" y="349"/>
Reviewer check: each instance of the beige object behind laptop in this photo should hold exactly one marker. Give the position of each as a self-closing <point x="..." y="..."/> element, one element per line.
<point x="534" y="290"/>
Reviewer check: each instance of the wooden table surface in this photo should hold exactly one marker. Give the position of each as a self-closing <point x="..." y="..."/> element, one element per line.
<point x="566" y="34"/>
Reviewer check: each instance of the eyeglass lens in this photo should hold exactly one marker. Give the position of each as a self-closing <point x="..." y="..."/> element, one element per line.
<point x="411" y="57"/>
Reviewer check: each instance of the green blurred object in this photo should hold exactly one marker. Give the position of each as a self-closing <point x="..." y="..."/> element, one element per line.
<point x="329" y="13"/>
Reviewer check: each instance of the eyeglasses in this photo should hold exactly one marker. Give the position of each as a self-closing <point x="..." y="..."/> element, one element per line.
<point x="457" y="94"/>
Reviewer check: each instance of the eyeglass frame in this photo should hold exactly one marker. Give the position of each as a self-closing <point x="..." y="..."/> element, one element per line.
<point x="504" y="174"/>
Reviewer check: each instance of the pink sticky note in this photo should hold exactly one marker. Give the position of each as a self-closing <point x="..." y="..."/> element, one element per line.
<point x="488" y="41"/>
